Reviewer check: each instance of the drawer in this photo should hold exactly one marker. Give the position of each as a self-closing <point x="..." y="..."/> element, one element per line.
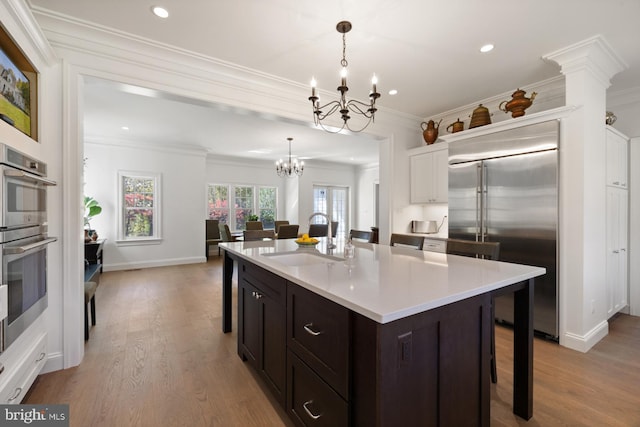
<point x="310" y="401"/>
<point x="33" y="362"/>
<point x="435" y="245"/>
<point x="318" y="332"/>
<point x="273" y="286"/>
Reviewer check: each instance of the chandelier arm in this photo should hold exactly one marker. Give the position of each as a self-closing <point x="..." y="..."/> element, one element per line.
<point x="344" y="125"/>
<point x="334" y="107"/>
<point x="354" y="106"/>
<point x="362" y="128"/>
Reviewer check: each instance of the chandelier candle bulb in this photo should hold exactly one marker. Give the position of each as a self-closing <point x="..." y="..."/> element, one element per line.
<point x="313" y="87"/>
<point x="374" y="82"/>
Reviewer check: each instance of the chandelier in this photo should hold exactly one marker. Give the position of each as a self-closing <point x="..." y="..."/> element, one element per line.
<point x="293" y="168"/>
<point x="341" y="105"/>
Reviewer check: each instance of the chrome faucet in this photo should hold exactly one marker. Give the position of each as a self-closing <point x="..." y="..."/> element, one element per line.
<point x="330" y="244"/>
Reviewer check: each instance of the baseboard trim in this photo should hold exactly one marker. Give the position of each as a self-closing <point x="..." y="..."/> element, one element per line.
<point x="55" y="362"/>
<point x="155" y="263"/>
<point x="583" y="343"/>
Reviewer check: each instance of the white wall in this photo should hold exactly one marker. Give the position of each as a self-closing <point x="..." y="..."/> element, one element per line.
<point x="363" y="217"/>
<point x="182" y="203"/>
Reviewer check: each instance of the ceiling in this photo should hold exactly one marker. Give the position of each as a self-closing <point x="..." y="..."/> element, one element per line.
<point x="427" y="50"/>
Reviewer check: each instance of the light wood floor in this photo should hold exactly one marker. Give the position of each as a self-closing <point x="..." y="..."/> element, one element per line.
<point x="157" y="357"/>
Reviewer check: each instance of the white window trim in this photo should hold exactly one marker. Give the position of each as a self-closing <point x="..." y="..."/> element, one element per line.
<point x="231" y="190"/>
<point x="157" y="209"/>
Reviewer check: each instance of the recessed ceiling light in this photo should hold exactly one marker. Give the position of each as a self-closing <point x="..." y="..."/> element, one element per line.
<point x="486" y="48"/>
<point x="393" y="92"/>
<point x="125" y="128"/>
<point x="160" y="12"/>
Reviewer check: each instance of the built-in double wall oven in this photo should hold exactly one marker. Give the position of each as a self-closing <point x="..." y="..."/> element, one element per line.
<point x="23" y="242"/>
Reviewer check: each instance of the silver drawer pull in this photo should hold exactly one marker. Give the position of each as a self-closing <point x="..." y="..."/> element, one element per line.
<point x="311" y="414"/>
<point x="15" y="395"/>
<point x="310" y="331"/>
<point x="40" y="357"/>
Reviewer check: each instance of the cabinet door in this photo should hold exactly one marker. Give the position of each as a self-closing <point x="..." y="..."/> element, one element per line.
<point x="616" y="258"/>
<point x="262" y="328"/>
<point x="429" y="177"/>
<point x="249" y="323"/>
<point x="421" y="173"/>
<point x="440" y="176"/>
<point x="617" y="159"/>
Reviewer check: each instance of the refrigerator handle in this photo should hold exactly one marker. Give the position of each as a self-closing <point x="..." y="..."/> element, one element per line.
<point x="479" y="191"/>
<point x="485" y="208"/>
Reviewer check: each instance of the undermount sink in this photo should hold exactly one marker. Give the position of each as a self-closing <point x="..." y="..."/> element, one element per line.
<point x="302" y="258"/>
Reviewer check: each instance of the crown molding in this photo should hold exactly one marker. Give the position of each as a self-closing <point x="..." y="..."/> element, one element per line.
<point x="24" y="23"/>
<point x="104" y="51"/>
<point x="183" y="149"/>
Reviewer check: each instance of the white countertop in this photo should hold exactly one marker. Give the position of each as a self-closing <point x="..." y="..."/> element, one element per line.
<point x="387" y="283"/>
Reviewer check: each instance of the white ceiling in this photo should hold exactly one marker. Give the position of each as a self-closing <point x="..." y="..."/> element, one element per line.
<point x="427" y="50"/>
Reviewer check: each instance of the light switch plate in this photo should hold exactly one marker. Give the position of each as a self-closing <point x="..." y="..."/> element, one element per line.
<point x="4" y="302"/>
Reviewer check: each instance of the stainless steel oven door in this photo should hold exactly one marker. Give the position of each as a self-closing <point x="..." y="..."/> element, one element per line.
<point x="24" y="271"/>
<point x="24" y="198"/>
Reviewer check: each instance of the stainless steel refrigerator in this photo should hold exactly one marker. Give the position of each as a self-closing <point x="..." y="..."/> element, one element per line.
<point x="503" y="187"/>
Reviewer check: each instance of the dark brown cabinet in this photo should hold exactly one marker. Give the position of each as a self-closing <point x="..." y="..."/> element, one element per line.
<point x="318" y="364"/>
<point x="330" y="366"/>
<point x="261" y="325"/>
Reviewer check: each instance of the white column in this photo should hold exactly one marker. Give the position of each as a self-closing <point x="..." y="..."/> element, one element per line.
<point x="634" y="227"/>
<point x="588" y="67"/>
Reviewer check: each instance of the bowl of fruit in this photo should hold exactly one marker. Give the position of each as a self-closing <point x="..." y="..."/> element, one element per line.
<point x="305" y="240"/>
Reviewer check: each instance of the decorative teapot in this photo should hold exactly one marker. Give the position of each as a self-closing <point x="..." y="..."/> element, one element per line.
<point x="518" y="103"/>
<point x="480" y="117"/>
<point x="430" y="132"/>
<point x="456" y="126"/>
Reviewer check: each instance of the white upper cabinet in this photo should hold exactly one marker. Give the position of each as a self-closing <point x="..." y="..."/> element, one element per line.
<point x="430" y="174"/>
<point x="617" y="158"/>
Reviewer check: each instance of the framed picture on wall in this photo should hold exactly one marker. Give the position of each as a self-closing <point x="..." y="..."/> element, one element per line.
<point x="18" y="88"/>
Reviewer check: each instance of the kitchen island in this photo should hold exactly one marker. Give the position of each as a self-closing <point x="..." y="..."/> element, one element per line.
<point x="394" y="336"/>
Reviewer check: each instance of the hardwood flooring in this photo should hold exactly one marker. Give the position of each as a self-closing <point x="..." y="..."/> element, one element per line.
<point x="157" y="357"/>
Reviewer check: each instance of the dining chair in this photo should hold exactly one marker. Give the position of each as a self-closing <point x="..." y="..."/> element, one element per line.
<point x="252" y="235"/>
<point x="320" y="230"/>
<point x="253" y="225"/>
<point x="360" y="235"/>
<point x="225" y="234"/>
<point x="278" y="223"/>
<point x="212" y="235"/>
<point x="485" y="250"/>
<point x="407" y="240"/>
<point x="288" y="231"/>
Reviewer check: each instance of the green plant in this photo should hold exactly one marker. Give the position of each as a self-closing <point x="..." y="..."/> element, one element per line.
<point x="91" y="209"/>
<point x="253" y="217"/>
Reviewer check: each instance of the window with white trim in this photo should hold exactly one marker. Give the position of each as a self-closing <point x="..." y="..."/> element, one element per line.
<point x="139" y="206"/>
<point x="232" y="204"/>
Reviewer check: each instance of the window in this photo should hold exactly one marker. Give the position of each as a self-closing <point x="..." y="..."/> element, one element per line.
<point x="267" y="206"/>
<point x="139" y="204"/>
<point x="244" y="206"/>
<point x="334" y="200"/>
<point x="218" y="203"/>
<point x="247" y="200"/>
